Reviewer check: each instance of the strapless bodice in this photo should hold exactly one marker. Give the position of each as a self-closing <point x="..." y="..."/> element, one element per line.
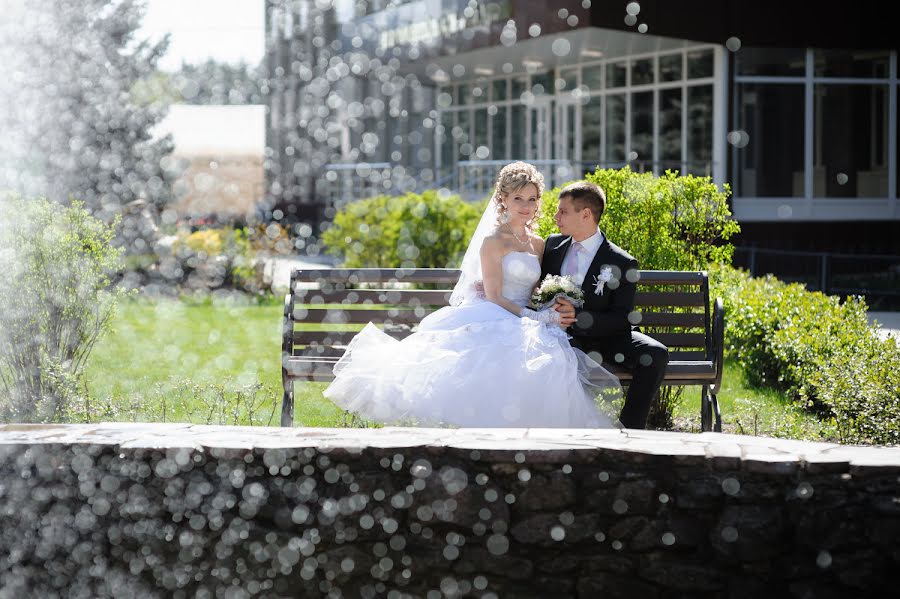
<point x="521" y="272"/>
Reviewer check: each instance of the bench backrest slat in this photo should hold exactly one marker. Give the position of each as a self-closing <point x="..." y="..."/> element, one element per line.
<point x="408" y="316"/>
<point x="447" y="276"/>
<point x="673" y="306"/>
<point x="430" y="297"/>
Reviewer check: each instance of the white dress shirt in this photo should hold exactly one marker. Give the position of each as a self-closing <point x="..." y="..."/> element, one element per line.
<point x="586" y="255"/>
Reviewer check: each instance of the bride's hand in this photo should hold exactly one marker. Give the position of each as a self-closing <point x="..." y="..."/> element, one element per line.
<point x="547" y="316"/>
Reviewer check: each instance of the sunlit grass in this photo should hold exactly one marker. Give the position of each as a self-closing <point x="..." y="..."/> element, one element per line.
<point x="213" y="361"/>
<point x="750" y="411"/>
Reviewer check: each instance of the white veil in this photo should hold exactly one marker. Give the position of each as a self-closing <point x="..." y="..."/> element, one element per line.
<point x="465" y="290"/>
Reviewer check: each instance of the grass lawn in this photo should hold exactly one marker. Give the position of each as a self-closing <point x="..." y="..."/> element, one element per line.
<point x="219" y="362"/>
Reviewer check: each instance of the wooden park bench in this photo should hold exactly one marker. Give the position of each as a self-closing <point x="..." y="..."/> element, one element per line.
<point x="674" y="307"/>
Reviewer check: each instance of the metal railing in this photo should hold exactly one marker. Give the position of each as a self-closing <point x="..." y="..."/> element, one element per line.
<point x="873" y="276"/>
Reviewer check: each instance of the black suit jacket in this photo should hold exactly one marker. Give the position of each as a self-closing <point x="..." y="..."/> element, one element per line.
<point x="603" y="320"/>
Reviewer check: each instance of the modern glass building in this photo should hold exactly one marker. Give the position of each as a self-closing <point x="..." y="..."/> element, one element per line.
<point x="794" y="105"/>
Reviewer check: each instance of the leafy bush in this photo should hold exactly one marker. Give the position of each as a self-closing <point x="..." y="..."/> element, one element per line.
<point x="818" y="350"/>
<point x="426" y="230"/>
<point x="54" y="303"/>
<point x="862" y="388"/>
<point x="214" y="257"/>
<point x="669" y="222"/>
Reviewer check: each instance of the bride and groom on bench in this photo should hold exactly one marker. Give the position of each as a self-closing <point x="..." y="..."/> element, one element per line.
<point x="492" y="358"/>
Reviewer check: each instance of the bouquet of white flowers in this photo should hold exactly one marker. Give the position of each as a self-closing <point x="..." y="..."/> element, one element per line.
<point x="554" y="286"/>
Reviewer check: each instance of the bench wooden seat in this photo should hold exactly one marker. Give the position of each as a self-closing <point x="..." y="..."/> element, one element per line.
<point x="326" y="307"/>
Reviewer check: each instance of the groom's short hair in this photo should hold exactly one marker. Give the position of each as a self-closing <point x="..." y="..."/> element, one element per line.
<point x="585" y="194"/>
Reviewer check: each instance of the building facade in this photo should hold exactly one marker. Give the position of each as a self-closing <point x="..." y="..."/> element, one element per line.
<point x="792" y="105"/>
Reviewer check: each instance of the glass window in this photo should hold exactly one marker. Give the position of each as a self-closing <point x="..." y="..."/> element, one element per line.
<point x="519" y="84"/>
<point x="590" y="132"/>
<point x="615" y="131"/>
<point x="616" y="74"/>
<point x="445" y="139"/>
<point x="479" y="92"/>
<point x="498" y="129"/>
<point x="700" y="64"/>
<point x="851" y="63"/>
<point x="699" y="133"/>
<point x="499" y="90"/>
<point x="570" y="79"/>
<point x="670" y="67"/>
<point x="670" y="129"/>
<point x="769" y="139"/>
<point x="850" y="141"/>
<point x="480" y="131"/>
<point x="771" y="62"/>
<point x="592" y="77"/>
<point x="463" y="95"/>
<point x="542" y="84"/>
<point x="517" y="132"/>
<point x="642" y="131"/>
<point x="642" y="72"/>
<point x="461" y="135"/>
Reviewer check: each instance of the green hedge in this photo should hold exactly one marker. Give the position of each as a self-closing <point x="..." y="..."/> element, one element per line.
<point x="427" y="230"/>
<point x="670" y="222"/>
<point x="817" y="349"/>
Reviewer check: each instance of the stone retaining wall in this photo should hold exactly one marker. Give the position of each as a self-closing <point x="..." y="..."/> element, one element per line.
<point x="123" y="510"/>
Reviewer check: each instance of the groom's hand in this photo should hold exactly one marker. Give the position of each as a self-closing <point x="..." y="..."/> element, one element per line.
<point x="566" y="312"/>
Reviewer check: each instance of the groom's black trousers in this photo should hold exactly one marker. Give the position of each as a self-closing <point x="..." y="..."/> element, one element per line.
<point x="644" y="356"/>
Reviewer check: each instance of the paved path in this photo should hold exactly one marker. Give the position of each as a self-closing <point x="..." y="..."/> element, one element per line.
<point x="889" y="323"/>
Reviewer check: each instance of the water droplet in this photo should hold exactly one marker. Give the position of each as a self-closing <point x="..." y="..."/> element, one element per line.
<point x="731" y="486"/>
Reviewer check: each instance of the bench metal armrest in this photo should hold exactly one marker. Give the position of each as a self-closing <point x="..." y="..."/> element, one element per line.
<point x="718" y="343"/>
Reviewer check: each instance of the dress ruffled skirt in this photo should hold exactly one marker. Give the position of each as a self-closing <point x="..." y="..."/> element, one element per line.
<point x="475" y="365"/>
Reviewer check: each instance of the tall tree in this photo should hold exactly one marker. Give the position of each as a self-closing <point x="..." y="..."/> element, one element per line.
<point x="72" y="128"/>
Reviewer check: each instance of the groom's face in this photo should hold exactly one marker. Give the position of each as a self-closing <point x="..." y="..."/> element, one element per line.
<point x="568" y="218"/>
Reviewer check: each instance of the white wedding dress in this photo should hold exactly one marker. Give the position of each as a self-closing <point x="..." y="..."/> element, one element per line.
<point x="475" y="365"/>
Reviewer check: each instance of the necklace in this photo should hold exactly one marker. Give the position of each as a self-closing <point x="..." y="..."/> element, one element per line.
<point x="522" y="241"/>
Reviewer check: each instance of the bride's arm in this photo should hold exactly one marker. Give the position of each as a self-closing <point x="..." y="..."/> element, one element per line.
<point x="492" y="273"/>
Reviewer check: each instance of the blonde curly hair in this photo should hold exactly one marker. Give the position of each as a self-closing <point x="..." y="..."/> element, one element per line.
<point x="513" y="177"/>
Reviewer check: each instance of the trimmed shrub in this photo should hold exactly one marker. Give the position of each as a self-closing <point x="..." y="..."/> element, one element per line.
<point x="670" y="222"/>
<point x="215" y="257"/>
<point x="427" y="230"/>
<point x="818" y="350"/>
<point x="54" y="304"/>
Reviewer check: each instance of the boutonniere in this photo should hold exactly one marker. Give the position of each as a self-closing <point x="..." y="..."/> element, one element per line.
<point x="602" y="279"/>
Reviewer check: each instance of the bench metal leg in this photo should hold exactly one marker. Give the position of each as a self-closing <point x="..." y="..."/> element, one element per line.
<point x="287" y="405"/>
<point x="705" y="410"/>
<point x="717" y="427"/>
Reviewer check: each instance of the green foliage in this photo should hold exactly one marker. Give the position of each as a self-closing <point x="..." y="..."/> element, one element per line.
<point x="223" y="255"/>
<point x="819" y="351"/>
<point x="669" y="222"/>
<point x="413" y="230"/>
<point x="54" y="303"/>
<point x="75" y="130"/>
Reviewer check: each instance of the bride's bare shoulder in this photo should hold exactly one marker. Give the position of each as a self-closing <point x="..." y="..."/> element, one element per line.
<point x="538" y="242"/>
<point x="493" y="243"/>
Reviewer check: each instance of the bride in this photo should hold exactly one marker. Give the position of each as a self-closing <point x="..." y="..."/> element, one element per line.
<point x="487" y="360"/>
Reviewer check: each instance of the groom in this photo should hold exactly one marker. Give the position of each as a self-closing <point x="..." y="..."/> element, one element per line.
<point x="607" y="275"/>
